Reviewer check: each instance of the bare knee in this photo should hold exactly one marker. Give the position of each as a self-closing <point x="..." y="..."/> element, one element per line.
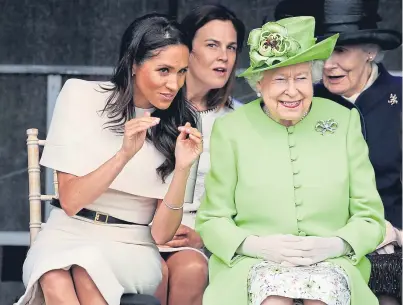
<point x="189" y="268"/>
<point x="277" y="300"/>
<point x="197" y="270"/>
<point x="55" y="283"/>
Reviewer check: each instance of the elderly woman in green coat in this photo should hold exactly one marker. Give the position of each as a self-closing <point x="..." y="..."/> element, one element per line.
<point x="291" y="206"/>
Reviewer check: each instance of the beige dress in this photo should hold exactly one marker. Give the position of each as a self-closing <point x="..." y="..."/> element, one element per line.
<point x="119" y="258"/>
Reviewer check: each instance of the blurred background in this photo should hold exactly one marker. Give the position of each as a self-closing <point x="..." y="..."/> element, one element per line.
<point x="45" y="42"/>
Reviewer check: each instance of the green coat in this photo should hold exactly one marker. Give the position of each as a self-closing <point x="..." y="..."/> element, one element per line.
<point x="268" y="179"/>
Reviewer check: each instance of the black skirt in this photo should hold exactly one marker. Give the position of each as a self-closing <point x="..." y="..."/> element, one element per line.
<point x="386" y="273"/>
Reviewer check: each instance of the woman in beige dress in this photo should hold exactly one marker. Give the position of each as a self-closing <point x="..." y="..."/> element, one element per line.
<point x="120" y="148"/>
<point x="217" y="36"/>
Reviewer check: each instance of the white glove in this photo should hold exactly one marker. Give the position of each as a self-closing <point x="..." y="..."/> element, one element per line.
<point x="275" y="248"/>
<point x="293" y="250"/>
<point x="317" y="249"/>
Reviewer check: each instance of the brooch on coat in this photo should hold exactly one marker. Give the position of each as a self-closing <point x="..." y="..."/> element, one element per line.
<point x="393" y="99"/>
<point x="324" y="126"/>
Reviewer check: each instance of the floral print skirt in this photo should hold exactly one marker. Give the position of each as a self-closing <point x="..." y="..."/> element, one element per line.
<point x="324" y="281"/>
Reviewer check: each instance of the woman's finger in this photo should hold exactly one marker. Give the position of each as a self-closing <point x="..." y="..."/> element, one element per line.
<point x="182" y="135"/>
<point x="139" y="128"/>
<point x="179" y="237"/>
<point x="183" y="230"/>
<point x="135" y="122"/>
<point x="178" y="243"/>
<point x="191" y="131"/>
<point x="287" y="264"/>
<point x="295" y="253"/>
<point x="299" y="261"/>
<point x="195" y="139"/>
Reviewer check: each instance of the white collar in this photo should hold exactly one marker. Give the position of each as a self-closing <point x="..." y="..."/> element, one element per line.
<point x="140" y="111"/>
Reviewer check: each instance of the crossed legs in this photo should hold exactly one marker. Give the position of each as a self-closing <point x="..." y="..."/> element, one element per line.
<point x="73" y="287"/>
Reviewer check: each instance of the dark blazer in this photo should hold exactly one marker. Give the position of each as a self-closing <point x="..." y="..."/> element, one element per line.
<point x="381" y="122"/>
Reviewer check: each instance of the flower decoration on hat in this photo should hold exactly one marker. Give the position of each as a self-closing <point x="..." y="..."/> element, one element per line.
<point x="270" y="45"/>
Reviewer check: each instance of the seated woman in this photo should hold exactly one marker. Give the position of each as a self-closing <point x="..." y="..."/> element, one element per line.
<point x="354" y="77"/>
<point x="291" y="206"/>
<point x="119" y="147"/>
<point x="217" y="37"/>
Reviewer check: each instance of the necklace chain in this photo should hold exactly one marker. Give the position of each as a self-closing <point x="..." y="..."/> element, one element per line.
<point x="267" y="112"/>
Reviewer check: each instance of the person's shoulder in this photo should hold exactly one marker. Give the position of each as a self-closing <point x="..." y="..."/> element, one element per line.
<point x="328" y="106"/>
<point x="396" y="81"/>
<point x="83" y="93"/>
<point x="235" y="103"/>
<point x="79" y="85"/>
<point x="236" y="116"/>
<point x="387" y="83"/>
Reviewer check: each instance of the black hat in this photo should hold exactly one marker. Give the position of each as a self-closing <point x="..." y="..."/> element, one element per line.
<point x="355" y="20"/>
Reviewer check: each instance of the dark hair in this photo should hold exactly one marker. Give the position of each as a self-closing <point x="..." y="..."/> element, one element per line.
<point x="142" y="38"/>
<point x="197" y="19"/>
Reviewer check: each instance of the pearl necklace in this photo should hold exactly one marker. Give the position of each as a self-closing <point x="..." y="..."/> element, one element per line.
<point x="266" y="111"/>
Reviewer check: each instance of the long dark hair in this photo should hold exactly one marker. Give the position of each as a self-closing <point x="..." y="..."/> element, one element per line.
<point x="197" y="19"/>
<point x="141" y="39"/>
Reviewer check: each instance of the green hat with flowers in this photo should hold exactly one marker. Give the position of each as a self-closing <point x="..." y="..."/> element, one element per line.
<point x="286" y="42"/>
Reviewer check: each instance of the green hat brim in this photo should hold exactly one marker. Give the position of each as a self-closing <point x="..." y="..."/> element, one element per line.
<point x="319" y="51"/>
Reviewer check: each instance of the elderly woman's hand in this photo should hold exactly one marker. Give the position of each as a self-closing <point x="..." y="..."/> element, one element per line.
<point x="393" y="237"/>
<point x="317" y="249"/>
<point x="275" y="248"/>
<point x="290" y="250"/>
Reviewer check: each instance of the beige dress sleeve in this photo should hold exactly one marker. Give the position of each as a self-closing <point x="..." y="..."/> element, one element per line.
<point x="78" y="142"/>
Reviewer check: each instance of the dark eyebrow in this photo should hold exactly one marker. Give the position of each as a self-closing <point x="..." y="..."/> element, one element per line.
<point x="165" y="66"/>
<point x="218" y="42"/>
<point x="213" y="40"/>
<point x="170" y="67"/>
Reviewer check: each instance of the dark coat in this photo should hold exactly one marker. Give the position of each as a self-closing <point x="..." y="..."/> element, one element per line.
<point x="381" y="123"/>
